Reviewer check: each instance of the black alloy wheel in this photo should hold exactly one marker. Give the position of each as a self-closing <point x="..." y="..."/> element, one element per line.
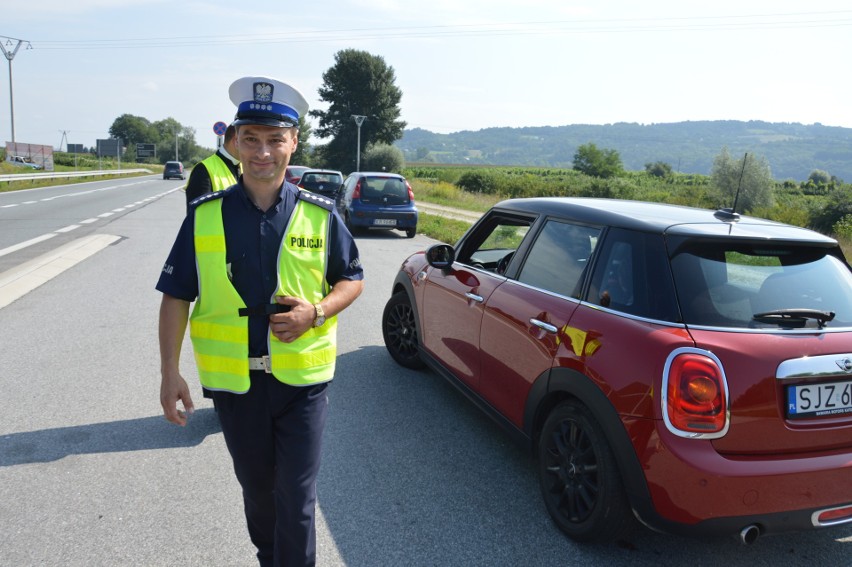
<point x="579" y="478"/>
<point x="399" y="329"/>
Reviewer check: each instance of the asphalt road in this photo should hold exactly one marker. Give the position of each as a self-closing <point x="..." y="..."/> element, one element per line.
<point x="92" y="475"/>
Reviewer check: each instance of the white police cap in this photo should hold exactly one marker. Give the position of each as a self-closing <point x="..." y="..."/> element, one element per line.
<point x="266" y="101"/>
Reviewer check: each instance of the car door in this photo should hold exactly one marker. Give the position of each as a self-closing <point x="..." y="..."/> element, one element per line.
<point x="524" y="318"/>
<point x="453" y="300"/>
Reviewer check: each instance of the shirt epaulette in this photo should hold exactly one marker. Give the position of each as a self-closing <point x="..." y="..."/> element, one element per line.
<point x="316" y="199"/>
<point x="209" y="196"/>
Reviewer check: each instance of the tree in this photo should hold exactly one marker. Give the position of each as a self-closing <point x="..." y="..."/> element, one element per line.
<point x="820" y="177"/>
<point x="302" y="155"/>
<point x="383" y="157"/>
<point x="747" y="182"/>
<point x="592" y="161"/>
<point x="132" y="129"/>
<point x="170" y="134"/>
<point x="358" y="84"/>
<point x="658" y="169"/>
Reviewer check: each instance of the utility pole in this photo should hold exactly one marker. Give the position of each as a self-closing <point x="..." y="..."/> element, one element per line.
<point x="359" y="119"/>
<point x="176" y="146"/>
<point x="63" y="139"/>
<point x="10" y="54"/>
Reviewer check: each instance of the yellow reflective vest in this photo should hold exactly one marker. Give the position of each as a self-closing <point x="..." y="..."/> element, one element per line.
<point x="220" y="335"/>
<point x="220" y="174"/>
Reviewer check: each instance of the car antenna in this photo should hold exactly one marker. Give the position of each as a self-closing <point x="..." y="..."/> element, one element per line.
<point x="732" y="214"/>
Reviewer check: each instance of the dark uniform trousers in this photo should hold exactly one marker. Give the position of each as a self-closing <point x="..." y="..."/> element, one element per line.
<point x="274" y="435"/>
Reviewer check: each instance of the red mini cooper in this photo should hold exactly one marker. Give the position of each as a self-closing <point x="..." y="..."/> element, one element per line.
<point x="688" y="368"/>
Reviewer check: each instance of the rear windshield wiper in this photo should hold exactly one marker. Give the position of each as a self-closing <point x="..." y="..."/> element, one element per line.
<point x="794" y="317"/>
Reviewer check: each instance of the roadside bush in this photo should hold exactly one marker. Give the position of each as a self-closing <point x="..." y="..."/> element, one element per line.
<point x="478" y="181"/>
<point x="843" y="228"/>
<point x="837" y="205"/>
<point x="383" y="157"/>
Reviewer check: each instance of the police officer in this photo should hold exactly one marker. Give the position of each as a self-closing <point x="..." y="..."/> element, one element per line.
<point x="275" y="266"/>
<point x="219" y="171"/>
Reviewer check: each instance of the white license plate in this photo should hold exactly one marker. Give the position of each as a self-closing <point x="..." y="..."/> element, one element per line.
<point x="384" y="222"/>
<point x="819" y="400"/>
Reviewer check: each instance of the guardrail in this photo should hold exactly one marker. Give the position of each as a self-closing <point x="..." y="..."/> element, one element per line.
<point x="68" y="174"/>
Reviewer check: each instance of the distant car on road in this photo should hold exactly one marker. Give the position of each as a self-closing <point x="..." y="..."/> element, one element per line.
<point x="23" y="162"/>
<point x="689" y="368"/>
<point x="326" y="182"/>
<point x="173" y="169"/>
<point x="378" y="201"/>
<point x="294" y="173"/>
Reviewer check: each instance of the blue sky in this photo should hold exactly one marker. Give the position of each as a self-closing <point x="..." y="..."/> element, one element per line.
<point x="461" y="64"/>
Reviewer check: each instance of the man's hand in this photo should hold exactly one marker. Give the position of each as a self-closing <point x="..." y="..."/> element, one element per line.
<point x="289" y="326"/>
<point x="173" y="388"/>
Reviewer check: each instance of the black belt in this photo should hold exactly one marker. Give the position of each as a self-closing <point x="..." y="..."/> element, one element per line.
<point x="265" y="309"/>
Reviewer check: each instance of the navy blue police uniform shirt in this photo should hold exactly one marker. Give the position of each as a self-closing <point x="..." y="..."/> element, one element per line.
<point x="252" y="242"/>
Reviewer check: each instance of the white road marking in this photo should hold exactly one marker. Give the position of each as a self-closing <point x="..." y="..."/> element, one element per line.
<point x="19" y="281"/>
<point x="30" y="242"/>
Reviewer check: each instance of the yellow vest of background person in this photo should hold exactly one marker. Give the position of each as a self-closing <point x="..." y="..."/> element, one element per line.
<point x="220" y="175"/>
<point x="220" y="335"/>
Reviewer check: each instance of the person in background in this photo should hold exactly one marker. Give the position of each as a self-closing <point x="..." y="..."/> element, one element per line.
<point x="217" y="172"/>
<point x="269" y="268"/>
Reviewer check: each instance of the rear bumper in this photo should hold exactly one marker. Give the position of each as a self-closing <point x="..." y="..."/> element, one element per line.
<point x="382" y="220"/>
<point x="694" y="489"/>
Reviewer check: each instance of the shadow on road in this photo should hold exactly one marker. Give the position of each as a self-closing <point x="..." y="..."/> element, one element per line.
<point x="414" y="474"/>
<point x="116" y="436"/>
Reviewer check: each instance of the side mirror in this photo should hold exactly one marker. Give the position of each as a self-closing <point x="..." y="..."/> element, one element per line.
<point x="441" y="256"/>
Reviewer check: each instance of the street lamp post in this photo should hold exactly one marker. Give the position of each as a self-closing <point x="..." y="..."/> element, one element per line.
<point x="359" y="119"/>
<point x="11" y="55"/>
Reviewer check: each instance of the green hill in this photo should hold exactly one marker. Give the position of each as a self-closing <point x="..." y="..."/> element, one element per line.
<point x="792" y="150"/>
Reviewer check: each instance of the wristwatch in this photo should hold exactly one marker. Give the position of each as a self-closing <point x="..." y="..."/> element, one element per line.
<point x="319" y="320"/>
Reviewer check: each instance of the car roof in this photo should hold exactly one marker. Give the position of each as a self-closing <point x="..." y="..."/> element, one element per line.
<point x="660" y="218"/>
<point x="376" y="174"/>
<point x="324" y="171"/>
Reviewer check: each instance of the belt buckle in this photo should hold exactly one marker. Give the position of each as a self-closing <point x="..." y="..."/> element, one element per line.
<point x="267" y="364"/>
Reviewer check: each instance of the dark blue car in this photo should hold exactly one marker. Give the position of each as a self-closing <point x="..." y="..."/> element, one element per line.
<point x="378" y="201"/>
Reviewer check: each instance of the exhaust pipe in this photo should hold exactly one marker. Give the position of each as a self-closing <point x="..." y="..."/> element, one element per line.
<point x="749" y="534"/>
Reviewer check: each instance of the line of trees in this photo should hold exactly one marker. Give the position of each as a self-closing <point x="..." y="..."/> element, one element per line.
<point x="358" y="84"/>
<point x="168" y="135"/>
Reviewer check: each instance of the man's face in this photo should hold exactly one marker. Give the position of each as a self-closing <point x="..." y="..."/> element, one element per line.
<point x="265" y="151"/>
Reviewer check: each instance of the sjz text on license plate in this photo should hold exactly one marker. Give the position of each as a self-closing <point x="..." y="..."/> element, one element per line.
<point x="819" y="400"/>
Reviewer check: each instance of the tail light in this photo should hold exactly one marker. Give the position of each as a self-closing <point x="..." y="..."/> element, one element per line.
<point x="832" y="516"/>
<point x="356" y="193"/>
<point x="410" y="192"/>
<point x="695" y="395"/>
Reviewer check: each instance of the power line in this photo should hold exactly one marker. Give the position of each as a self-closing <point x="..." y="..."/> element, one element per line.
<point x="798" y="20"/>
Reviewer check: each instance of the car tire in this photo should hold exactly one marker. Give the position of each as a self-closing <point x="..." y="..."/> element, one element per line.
<point x="410" y="232"/>
<point x="399" y="329"/>
<point x="579" y="477"/>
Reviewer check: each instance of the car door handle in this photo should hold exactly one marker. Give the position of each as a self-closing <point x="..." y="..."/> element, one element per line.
<point x="473" y="296"/>
<point x="542" y="325"/>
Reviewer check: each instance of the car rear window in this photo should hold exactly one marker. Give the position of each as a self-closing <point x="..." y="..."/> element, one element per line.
<point x="731" y="284"/>
<point x="385" y="190"/>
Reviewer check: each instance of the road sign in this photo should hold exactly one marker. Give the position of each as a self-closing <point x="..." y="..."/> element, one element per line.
<point x="146" y="150"/>
<point x="219" y="128"/>
<point x="108" y="147"/>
